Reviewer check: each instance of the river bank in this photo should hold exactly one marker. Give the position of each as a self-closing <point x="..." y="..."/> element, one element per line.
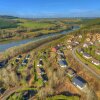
<point x="6" y="46"/>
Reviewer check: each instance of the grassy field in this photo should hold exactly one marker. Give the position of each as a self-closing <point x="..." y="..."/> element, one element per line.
<point x="7" y="23"/>
<point x="36" y="24"/>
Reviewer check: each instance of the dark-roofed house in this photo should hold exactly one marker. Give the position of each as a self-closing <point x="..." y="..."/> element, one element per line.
<point x="3" y="63"/>
<point x="62" y="63"/>
<point x="25" y="61"/>
<point x="42" y="71"/>
<point x="71" y="72"/>
<point x="44" y="77"/>
<point x="2" y="90"/>
<point x="40" y="63"/>
<point x="79" y="82"/>
<point x="59" y="52"/>
<point x="19" y="57"/>
<point x="86" y="55"/>
<point x="27" y="56"/>
<point x="28" y="94"/>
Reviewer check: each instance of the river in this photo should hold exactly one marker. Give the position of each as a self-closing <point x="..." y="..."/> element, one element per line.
<point x="6" y="46"/>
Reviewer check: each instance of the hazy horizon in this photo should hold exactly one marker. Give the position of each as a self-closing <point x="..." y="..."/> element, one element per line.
<point x="50" y="8"/>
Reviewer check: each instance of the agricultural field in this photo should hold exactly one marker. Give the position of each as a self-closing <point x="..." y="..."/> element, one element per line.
<point x="13" y="29"/>
<point x="36" y="24"/>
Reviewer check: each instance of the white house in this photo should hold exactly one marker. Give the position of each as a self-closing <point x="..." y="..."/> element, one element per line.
<point x="80" y="36"/>
<point x="86" y="55"/>
<point x="95" y="62"/>
<point x="85" y="45"/>
<point x="97" y="52"/>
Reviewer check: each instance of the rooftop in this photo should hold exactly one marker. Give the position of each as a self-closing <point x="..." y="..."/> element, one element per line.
<point x="79" y="81"/>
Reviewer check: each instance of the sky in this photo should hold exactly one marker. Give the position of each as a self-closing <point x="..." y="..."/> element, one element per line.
<point x="50" y="8"/>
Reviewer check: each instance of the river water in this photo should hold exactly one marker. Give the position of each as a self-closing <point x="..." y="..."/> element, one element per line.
<point x="6" y="46"/>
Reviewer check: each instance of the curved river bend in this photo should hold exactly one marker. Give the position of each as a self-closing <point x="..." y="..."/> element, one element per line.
<point x="6" y="46"/>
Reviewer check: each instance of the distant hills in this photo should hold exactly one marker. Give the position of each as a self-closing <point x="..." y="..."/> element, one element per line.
<point x="8" y="17"/>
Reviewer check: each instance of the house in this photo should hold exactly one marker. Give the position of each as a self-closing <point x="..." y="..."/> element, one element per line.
<point x="2" y="90"/>
<point x="25" y="61"/>
<point x="80" y="36"/>
<point x="27" y="56"/>
<point x="90" y="43"/>
<point x="71" y="72"/>
<point x="75" y="43"/>
<point x="69" y="47"/>
<point x="44" y="53"/>
<point x="28" y="94"/>
<point x="63" y="63"/>
<point x="79" y="82"/>
<point x="17" y="60"/>
<point x="85" y="45"/>
<point x="3" y="63"/>
<point x="80" y="50"/>
<point x="69" y="41"/>
<point x="97" y="52"/>
<point x="19" y="57"/>
<point x="61" y="57"/>
<point x="54" y="49"/>
<point x="95" y="62"/>
<point x="40" y="63"/>
<point x="59" y="52"/>
<point x="44" y="77"/>
<point x="88" y="39"/>
<point x="42" y="71"/>
<point x="86" y="55"/>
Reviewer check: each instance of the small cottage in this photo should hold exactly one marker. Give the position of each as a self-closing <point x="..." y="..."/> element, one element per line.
<point x="86" y="55"/>
<point x="96" y="62"/>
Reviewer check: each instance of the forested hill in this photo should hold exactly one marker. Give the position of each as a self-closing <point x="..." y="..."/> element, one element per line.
<point x="7" y="17"/>
<point x="8" y="22"/>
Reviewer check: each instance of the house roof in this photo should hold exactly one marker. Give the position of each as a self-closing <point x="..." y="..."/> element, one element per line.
<point x="95" y="61"/>
<point x="42" y="70"/>
<point x="27" y="56"/>
<point x="97" y="52"/>
<point x="70" y="71"/>
<point x="19" y="56"/>
<point x="86" y="54"/>
<point x="25" y="61"/>
<point x="62" y="62"/>
<point x="41" y="62"/>
<point x="79" y="81"/>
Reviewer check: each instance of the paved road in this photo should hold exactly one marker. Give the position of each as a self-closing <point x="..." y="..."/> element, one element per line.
<point x="85" y="66"/>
